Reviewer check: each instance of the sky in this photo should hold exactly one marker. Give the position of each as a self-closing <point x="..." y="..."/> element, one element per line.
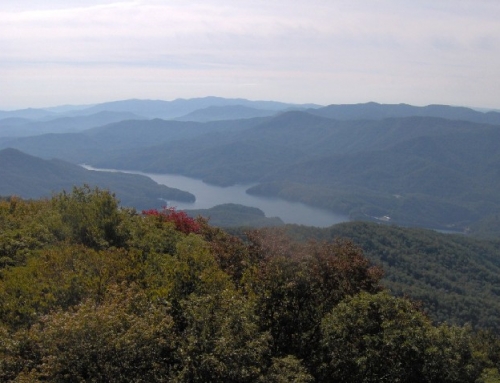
<point x="56" y="52"/>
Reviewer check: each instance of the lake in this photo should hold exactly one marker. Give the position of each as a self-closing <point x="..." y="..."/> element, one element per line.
<point x="208" y="196"/>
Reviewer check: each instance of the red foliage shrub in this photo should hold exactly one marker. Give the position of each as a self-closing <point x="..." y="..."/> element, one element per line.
<point x="182" y="221"/>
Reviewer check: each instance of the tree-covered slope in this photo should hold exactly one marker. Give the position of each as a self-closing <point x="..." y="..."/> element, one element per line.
<point x="119" y="140"/>
<point x="417" y="170"/>
<point x="455" y="277"/>
<point x="92" y="292"/>
<point x="31" y="177"/>
<point x="441" y="181"/>
<point x="234" y="215"/>
<point x="273" y="143"/>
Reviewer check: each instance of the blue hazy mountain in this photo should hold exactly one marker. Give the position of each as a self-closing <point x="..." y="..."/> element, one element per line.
<point x="181" y="107"/>
<point x="228" y="112"/>
<point x="29" y="113"/>
<point x="375" y="111"/>
<point x="19" y="127"/>
<point x="415" y="170"/>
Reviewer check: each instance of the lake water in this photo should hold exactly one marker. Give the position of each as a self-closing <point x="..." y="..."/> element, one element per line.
<point x="208" y="196"/>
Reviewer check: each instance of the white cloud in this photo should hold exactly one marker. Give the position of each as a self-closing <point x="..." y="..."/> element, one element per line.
<point x="333" y="51"/>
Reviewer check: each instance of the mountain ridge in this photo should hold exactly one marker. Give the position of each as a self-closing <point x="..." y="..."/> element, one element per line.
<point x="418" y="170"/>
<point x="181" y="107"/>
<point x="17" y="127"/>
<point x="373" y="110"/>
<point x="27" y="176"/>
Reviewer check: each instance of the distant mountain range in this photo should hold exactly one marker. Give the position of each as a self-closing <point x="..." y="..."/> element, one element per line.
<point x="73" y="118"/>
<point x="180" y="107"/>
<point x="375" y="111"/>
<point x="435" y="166"/>
<point x="30" y="113"/>
<point x="229" y="112"/>
<point x="20" y="127"/>
<point x="152" y="108"/>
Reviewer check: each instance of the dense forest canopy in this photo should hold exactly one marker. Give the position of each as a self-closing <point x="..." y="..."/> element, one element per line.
<point x="455" y="277"/>
<point x="90" y="291"/>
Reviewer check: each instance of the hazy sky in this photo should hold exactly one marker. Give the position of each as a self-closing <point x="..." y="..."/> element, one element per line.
<point x="323" y="51"/>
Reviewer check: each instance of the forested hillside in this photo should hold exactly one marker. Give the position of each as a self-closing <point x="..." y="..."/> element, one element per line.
<point x="455" y="277"/>
<point x="417" y="171"/>
<point x="26" y="176"/>
<point x="93" y="292"/>
<point x="434" y="166"/>
<point x="234" y="215"/>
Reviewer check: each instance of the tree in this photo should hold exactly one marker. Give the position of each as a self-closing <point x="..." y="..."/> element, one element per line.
<point x="288" y="369"/>
<point x="380" y="338"/>
<point x="123" y="339"/>
<point x="24" y="227"/>
<point x="221" y="340"/>
<point x="61" y="277"/>
<point x="296" y="285"/>
<point x="180" y="219"/>
<point x="90" y="217"/>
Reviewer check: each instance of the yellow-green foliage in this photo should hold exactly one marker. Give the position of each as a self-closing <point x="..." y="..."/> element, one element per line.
<point x="92" y="292"/>
<point x="24" y="226"/>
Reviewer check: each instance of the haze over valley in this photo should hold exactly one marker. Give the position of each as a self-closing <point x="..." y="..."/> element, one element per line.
<point x="434" y="166"/>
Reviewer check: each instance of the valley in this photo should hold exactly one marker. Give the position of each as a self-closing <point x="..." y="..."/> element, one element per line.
<point x="434" y="166"/>
<point x="208" y="196"/>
